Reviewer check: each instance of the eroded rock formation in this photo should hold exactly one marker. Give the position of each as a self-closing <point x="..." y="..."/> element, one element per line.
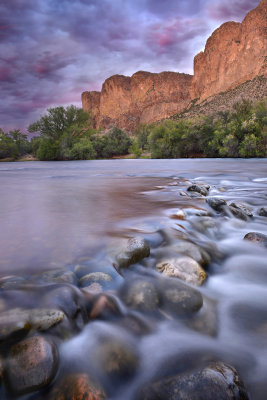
<point x="234" y="53"/>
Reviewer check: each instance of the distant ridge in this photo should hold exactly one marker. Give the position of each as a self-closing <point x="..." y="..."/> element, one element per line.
<point x="233" y="66"/>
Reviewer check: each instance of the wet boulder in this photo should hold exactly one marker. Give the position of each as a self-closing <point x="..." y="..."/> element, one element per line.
<point x="184" y="268"/>
<point x="31" y="365"/>
<point x="262" y="212"/>
<point x="135" y="250"/>
<point x="201" y="189"/>
<point x="216" y="381"/>
<point x="243" y="207"/>
<point x="216" y="204"/>
<point x="237" y="213"/>
<point x="178" y="298"/>
<point x="77" y="386"/>
<point x="256" y="237"/>
<point x="140" y="295"/>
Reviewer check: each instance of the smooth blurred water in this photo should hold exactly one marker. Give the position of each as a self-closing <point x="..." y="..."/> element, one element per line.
<point x="60" y="213"/>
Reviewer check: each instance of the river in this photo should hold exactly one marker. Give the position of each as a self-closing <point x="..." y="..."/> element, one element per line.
<point x="57" y="215"/>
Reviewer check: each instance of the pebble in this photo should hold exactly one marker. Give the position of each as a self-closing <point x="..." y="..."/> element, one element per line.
<point x="184" y="268"/>
<point x="31" y="365"/>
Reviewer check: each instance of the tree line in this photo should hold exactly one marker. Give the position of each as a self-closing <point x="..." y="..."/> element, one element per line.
<point x="66" y="134"/>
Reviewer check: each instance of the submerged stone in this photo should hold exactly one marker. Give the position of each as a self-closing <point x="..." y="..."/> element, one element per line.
<point x="117" y="359"/>
<point x="243" y="207"/>
<point x="179" y="298"/>
<point x="31" y="365"/>
<point x="140" y="295"/>
<point x="77" y="386"/>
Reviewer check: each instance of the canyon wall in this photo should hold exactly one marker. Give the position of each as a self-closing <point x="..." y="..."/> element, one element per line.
<point x="234" y="53"/>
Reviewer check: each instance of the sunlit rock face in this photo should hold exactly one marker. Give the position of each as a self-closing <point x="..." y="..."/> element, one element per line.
<point x="143" y="98"/>
<point x="234" y="53"/>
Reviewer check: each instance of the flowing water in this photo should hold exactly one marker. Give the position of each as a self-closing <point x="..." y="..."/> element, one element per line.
<point x="57" y="215"/>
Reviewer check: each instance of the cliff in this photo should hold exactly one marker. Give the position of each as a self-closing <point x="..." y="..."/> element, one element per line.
<point x="235" y="53"/>
<point x="143" y="98"/>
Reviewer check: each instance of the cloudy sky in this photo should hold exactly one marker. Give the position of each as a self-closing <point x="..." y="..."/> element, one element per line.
<point x="53" y="50"/>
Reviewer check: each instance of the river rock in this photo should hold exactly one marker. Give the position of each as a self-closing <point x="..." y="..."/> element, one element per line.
<point x="140" y="295"/>
<point x="117" y="359"/>
<point x="42" y="319"/>
<point x="216" y="381"/>
<point x="77" y="386"/>
<point x="184" y="268"/>
<point x="202" y="189"/>
<point x="216" y="204"/>
<point x="104" y="306"/>
<point x="59" y="275"/>
<point x="263" y="212"/>
<point x="102" y="278"/>
<point x="14" y="324"/>
<point x="31" y="365"/>
<point x="179" y="298"/>
<point x="206" y="320"/>
<point x="12" y="282"/>
<point x="71" y="301"/>
<point x="135" y="250"/>
<point x="256" y="237"/>
<point x="243" y="207"/>
<point x="19" y="321"/>
<point x="192" y="250"/>
<point x="238" y="213"/>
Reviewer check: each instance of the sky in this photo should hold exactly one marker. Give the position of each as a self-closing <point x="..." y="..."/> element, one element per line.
<point x="53" y="50"/>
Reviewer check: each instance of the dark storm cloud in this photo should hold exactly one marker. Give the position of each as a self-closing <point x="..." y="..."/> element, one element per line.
<point x="51" y="50"/>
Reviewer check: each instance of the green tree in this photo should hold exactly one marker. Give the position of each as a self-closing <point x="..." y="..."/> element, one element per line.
<point x="83" y="150"/>
<point x="58" y="119"/>
<point x="48" y="150"/>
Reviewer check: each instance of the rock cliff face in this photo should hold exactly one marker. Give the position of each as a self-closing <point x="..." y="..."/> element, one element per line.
<point x="235" y="53"/>
<point x="143" y="98"/>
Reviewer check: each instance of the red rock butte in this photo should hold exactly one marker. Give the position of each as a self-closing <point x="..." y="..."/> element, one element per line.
<point x="235" y="53"/>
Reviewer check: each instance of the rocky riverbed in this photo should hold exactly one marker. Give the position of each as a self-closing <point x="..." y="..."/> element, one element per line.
<point x="172" y="307"/>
